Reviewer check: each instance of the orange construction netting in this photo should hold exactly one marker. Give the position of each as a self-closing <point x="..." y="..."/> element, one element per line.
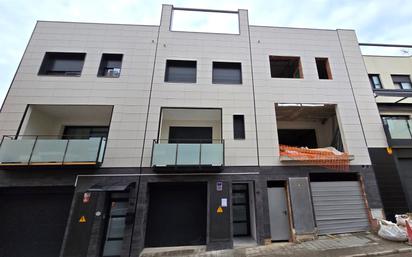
<point x="326" y="157"/>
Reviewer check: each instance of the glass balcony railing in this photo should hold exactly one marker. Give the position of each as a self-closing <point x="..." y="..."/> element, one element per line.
<point x="188" y="154"/>
<point x="46" y="150"/>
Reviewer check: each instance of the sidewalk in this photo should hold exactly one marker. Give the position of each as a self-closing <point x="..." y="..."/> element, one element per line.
<point x="347" y="245"/>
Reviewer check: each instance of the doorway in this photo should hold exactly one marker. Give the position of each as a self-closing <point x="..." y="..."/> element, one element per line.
<point x="278" y="211"/>
<point x="241" y="210"/>
<point x="177" y="214"/>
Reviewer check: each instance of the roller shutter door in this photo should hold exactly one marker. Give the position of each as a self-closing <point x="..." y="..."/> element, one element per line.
<point x="339" y="207"/>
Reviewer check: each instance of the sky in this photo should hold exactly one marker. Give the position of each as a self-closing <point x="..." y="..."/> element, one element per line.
<point x="378" y="21"/>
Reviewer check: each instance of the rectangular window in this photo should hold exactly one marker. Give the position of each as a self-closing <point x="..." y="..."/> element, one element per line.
<point x="110" y="65"/>
<point x="85" y="132"/>
<point x="400" y="127"/>
<point x="285" y="67"/>
<point x="324" y="72"/>
<point x="375" y="81"/>
<point x="401" y="81"/>
<point x="116" y="224"/>
<point x="65" y="64"/>
<point x="238" y="126"/>
<point x="227" y="73"/>
<point x="180" y="71"/>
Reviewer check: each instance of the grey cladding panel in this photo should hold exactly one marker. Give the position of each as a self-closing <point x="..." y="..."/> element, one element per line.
<point x="339" y="207"/>
<point x="301" y="205"/>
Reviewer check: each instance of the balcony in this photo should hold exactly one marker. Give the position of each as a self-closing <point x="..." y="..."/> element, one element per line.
<point x="47" y="150"/>
<point x="188" y="154"/>
<point x="189" y="138"/>
<point x="393" y="96"/>
<point x="398" y="131"/>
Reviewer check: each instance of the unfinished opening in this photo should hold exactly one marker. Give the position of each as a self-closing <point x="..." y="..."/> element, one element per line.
<point x="210" y="21"/>
<point x="308" y="125"/>
<point x="324" y="72"/>
<point x="285" y="67"/>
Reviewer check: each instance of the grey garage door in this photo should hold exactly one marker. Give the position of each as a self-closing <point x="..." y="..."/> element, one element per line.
<point x="339" y="207"/>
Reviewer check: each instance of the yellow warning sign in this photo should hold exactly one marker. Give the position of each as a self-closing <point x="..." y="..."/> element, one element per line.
<point x="82" y="219"/>
<point x="219" y="210"/>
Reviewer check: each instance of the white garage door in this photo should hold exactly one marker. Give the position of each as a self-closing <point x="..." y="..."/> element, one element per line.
<point x="339" y="207"/>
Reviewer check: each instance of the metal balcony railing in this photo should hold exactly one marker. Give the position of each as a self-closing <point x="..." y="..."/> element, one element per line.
<point x="201" y="153"/>
<point x="51" y="150"/>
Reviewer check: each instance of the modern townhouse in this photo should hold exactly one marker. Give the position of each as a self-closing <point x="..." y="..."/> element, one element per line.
<point x="117" y="138"/>
<point x="390" y="78"/>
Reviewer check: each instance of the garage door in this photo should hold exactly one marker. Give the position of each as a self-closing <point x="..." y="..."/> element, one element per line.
<point x="339" y="207"/>
<point x="33" y="220"/>
<point x="177" y="214"/>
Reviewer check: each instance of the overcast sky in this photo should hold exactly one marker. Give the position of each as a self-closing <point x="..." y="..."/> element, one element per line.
<point x="380" y="21"/>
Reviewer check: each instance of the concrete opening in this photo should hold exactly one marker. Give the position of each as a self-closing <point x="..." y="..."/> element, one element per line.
<point x="308" y="125"/>
<point x="177" y="214"/>
<point x="209" y="21"/>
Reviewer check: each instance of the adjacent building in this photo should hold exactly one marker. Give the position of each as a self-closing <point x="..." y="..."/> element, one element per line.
<point x="117" y="138"/>
<point x="390" y="78"/>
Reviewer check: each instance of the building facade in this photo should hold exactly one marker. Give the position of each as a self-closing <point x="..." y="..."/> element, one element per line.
<point x="118" y="138"/>
<point x="390" y="78"/>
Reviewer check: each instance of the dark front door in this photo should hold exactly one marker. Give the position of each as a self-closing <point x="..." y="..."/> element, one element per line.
<point x="241" y="214"/>
<point x="177" y="214"/>
<point x="190" y="134"/>
<point x="33" y="220"/>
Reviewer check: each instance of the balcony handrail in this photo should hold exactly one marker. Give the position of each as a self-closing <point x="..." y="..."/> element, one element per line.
<point x="59" y="137"/>
<point x="190" y="141"/>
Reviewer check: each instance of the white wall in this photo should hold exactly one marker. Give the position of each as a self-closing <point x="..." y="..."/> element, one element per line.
<point x="129" y="93"/>
<point x="233" y="99"/>
<point x="308" y="44"/>
<point x="386" y="66"/>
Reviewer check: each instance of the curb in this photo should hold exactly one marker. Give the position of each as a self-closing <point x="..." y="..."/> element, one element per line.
<point x="382" y="253"/>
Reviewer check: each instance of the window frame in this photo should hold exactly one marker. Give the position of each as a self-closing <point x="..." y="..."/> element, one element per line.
<point x="167" y="65"/>
<point x="230" y="64"/>
<point x="48" y="57"/>
<point x="327" y="68"/>
<point x="101" y="70"/>
<point x="273" y="58"/>
<point x="239" y="133"/>
<point x="373" y="83"/>
<point x="399" y="84"/>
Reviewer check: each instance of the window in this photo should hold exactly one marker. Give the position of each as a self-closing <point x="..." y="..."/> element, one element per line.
<point x="227" y="73"/>
<point x="84" y="132"/>
<point x="400" y="127"/>
<point x="401" y="81"/>
<point x="116" y="225"/>
<point x="285" y="67"/>
<point x="375" y="81"/>
<point x="238" y="126"/>
<point x="324" y="72"/>
<point x="180" y="71"/>
<point x="110" y="65"/>
<point x="65" y="64"/>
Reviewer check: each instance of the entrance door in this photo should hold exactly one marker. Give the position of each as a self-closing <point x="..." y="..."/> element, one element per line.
<point x="241" y="214"/>
<point x="278" y="214"/>
<point x="177" y="214"/>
